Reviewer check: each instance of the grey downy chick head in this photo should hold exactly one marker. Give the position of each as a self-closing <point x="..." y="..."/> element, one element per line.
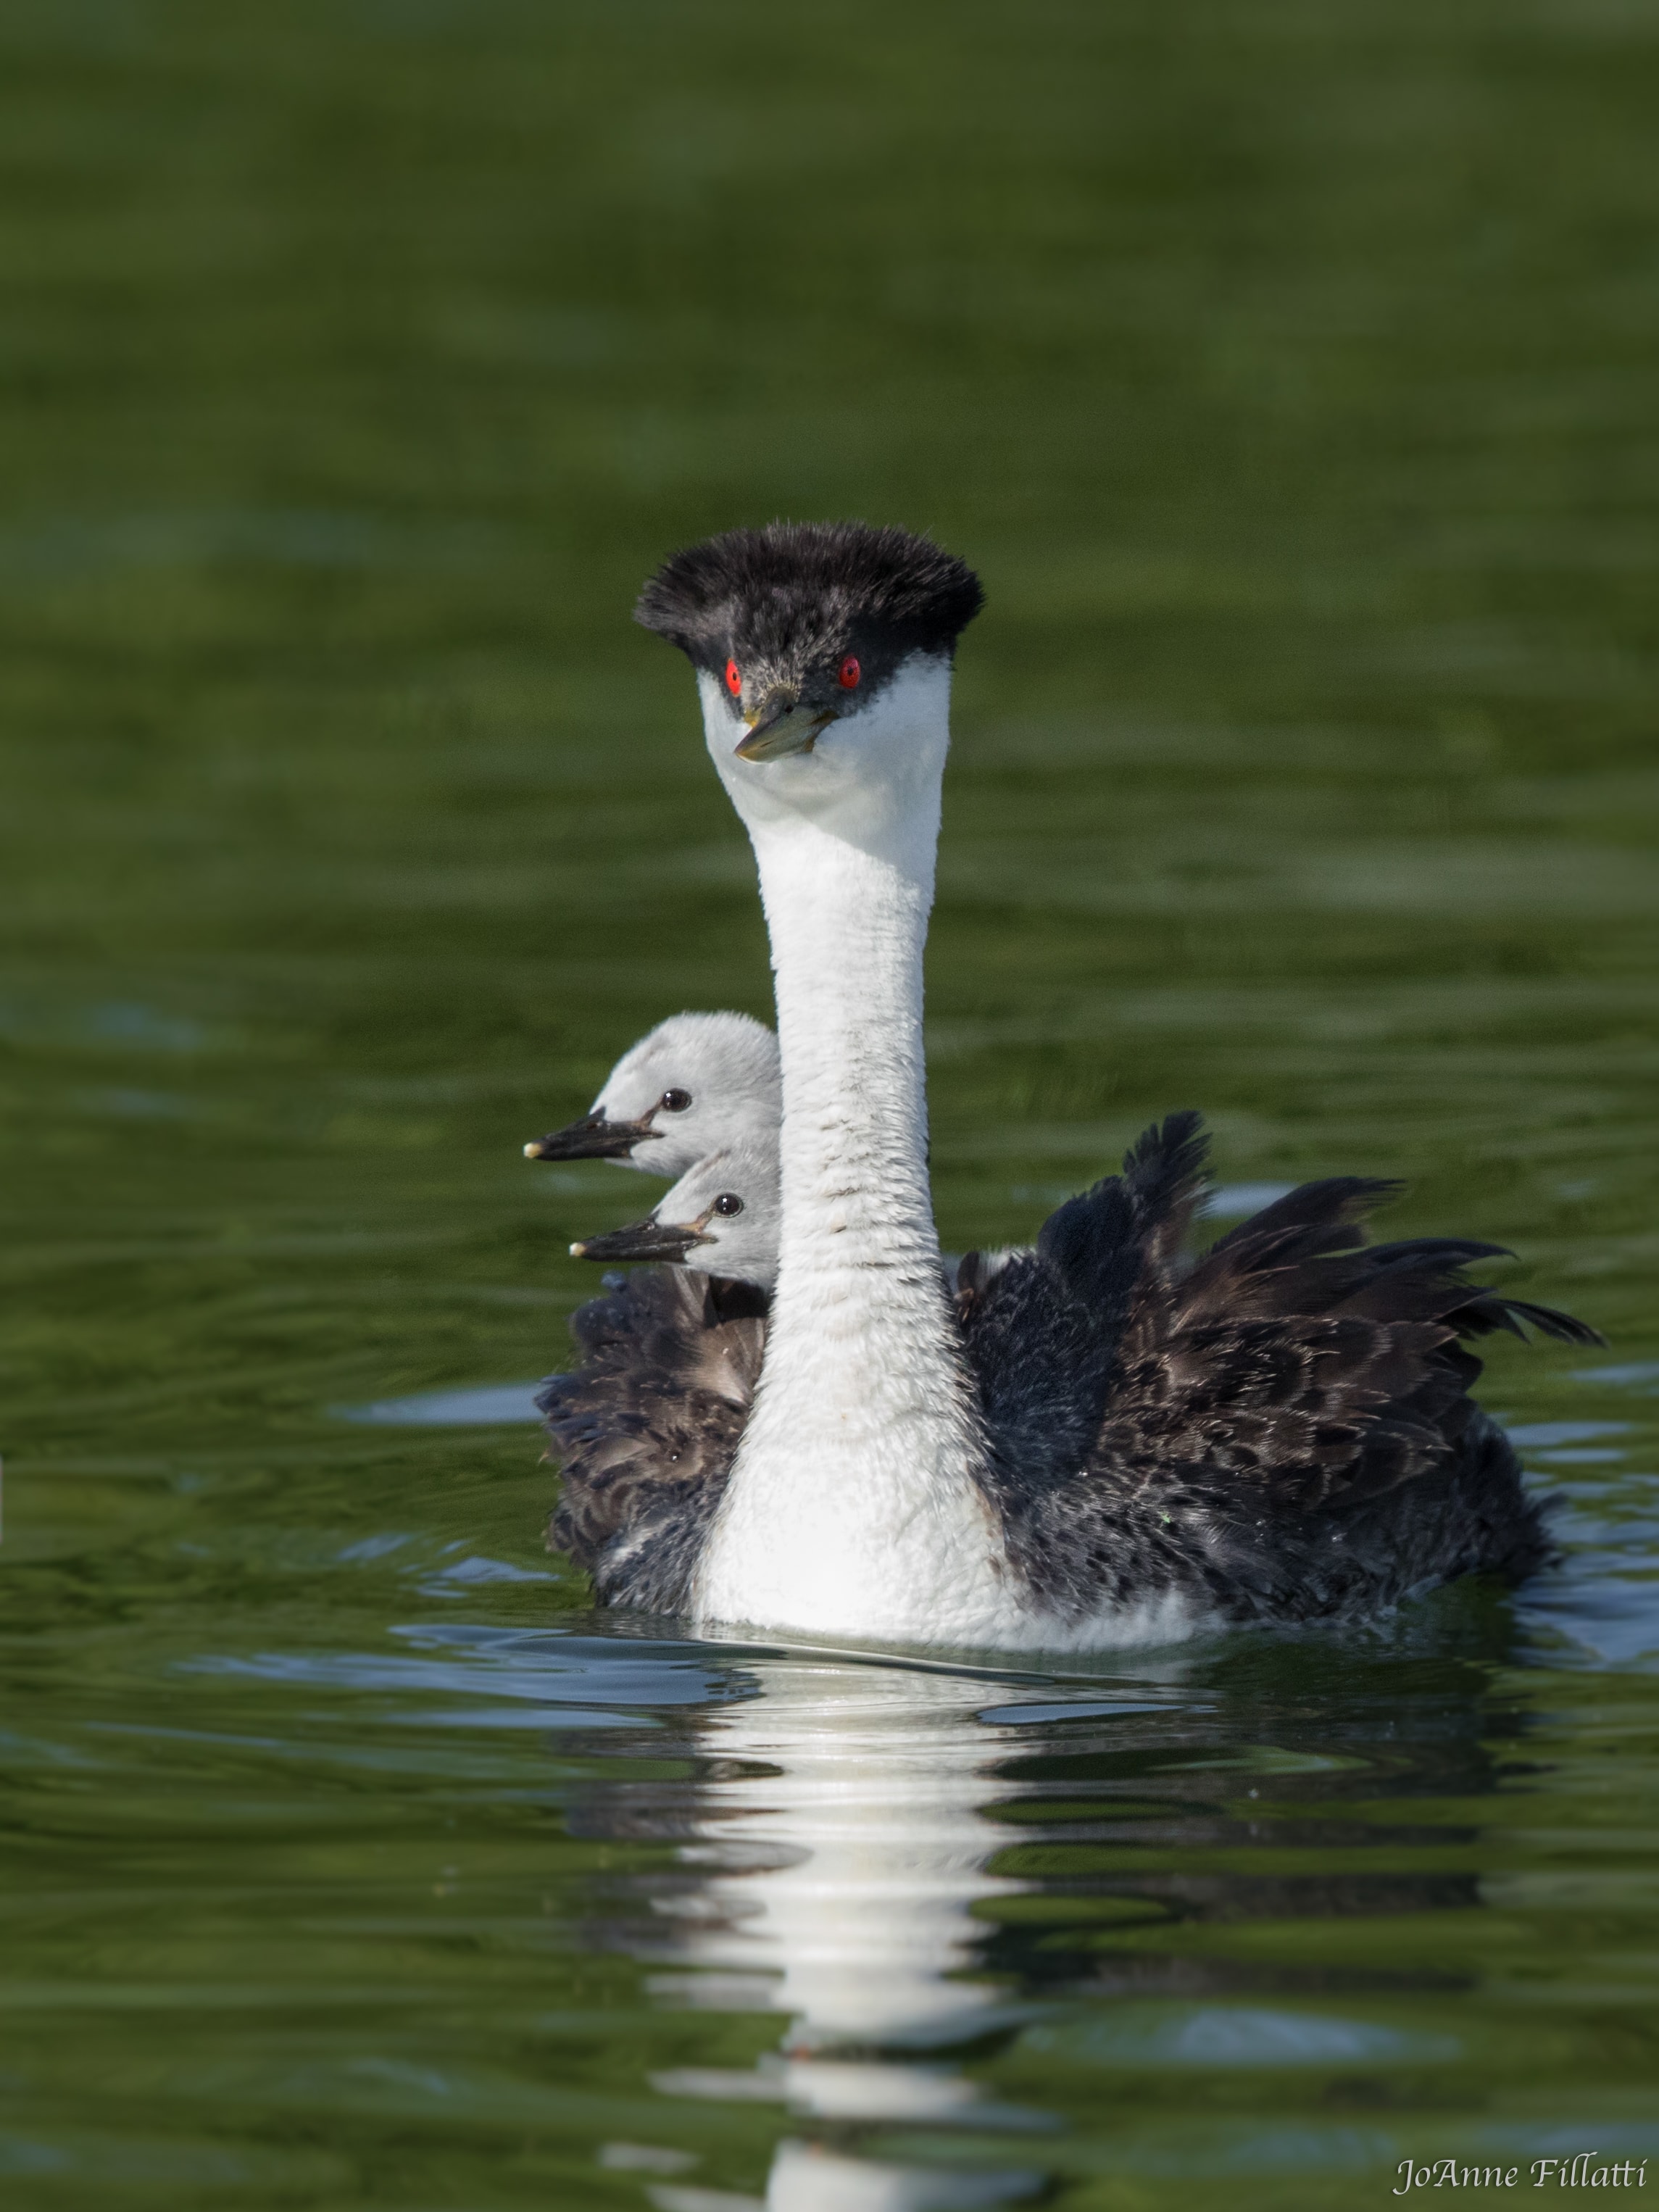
<point x="695" y="1083"/>
<point x="723" y="1217"/>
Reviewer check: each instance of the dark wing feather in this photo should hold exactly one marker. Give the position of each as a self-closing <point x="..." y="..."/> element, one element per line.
<point x="1302" y="1363"/>
<point x="1324" y="1216"/>
<point x="1101" y="1242"/>
<point x="1042" y="1328"/>
<point x="647" y="1426"/>
<point x="1284" y="1425"/>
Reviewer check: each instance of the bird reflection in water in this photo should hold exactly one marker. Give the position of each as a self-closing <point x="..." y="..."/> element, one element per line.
<point x="842" y="1851"/>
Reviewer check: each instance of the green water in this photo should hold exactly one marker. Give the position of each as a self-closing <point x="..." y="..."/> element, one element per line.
<point x="1289" y="371"/>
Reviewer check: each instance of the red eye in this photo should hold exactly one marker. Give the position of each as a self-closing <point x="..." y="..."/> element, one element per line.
<point x="850" y="673"/>
<point x="734" y="679"/>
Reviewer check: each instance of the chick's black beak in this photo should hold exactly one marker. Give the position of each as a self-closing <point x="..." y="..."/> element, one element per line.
<point x="639" y="1241"/>
<point x="592" y="1138"/>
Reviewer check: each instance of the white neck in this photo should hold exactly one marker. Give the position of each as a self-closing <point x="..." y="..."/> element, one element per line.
<point x="853" y="1508"/>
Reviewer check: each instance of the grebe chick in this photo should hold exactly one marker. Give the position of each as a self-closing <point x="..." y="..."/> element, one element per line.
<point x="694" y="1083"/>
<point x="722" y="1218"/>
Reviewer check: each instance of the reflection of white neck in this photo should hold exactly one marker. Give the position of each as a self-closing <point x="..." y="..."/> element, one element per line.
<point x="805" y="2178"/>
<point x="845" y="1865"/>
<point x="851" y="1508"/>
<point x="845" y="1851"/>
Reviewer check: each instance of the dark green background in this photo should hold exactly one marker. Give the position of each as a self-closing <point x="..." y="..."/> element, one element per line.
<point x="1289" y="373"/>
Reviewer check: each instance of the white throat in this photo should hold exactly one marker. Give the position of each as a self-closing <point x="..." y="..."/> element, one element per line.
<point x="852" y="1508"/>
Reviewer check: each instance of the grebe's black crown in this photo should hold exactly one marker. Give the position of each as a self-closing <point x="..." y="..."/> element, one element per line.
<point x="803" y="588"/>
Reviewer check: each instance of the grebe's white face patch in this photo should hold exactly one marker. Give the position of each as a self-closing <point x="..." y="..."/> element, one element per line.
<point x="869" y="770"/>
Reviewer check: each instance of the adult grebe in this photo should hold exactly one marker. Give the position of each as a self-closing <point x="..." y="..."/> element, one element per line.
<point x="1103" y="1444"/>
<point x="693" y="1083"/>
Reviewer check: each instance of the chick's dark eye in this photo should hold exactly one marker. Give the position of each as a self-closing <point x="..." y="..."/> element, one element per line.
<point x="674" y="1102"/>
<point x="733" y="678"/>
<point x="729" y="1202"/>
